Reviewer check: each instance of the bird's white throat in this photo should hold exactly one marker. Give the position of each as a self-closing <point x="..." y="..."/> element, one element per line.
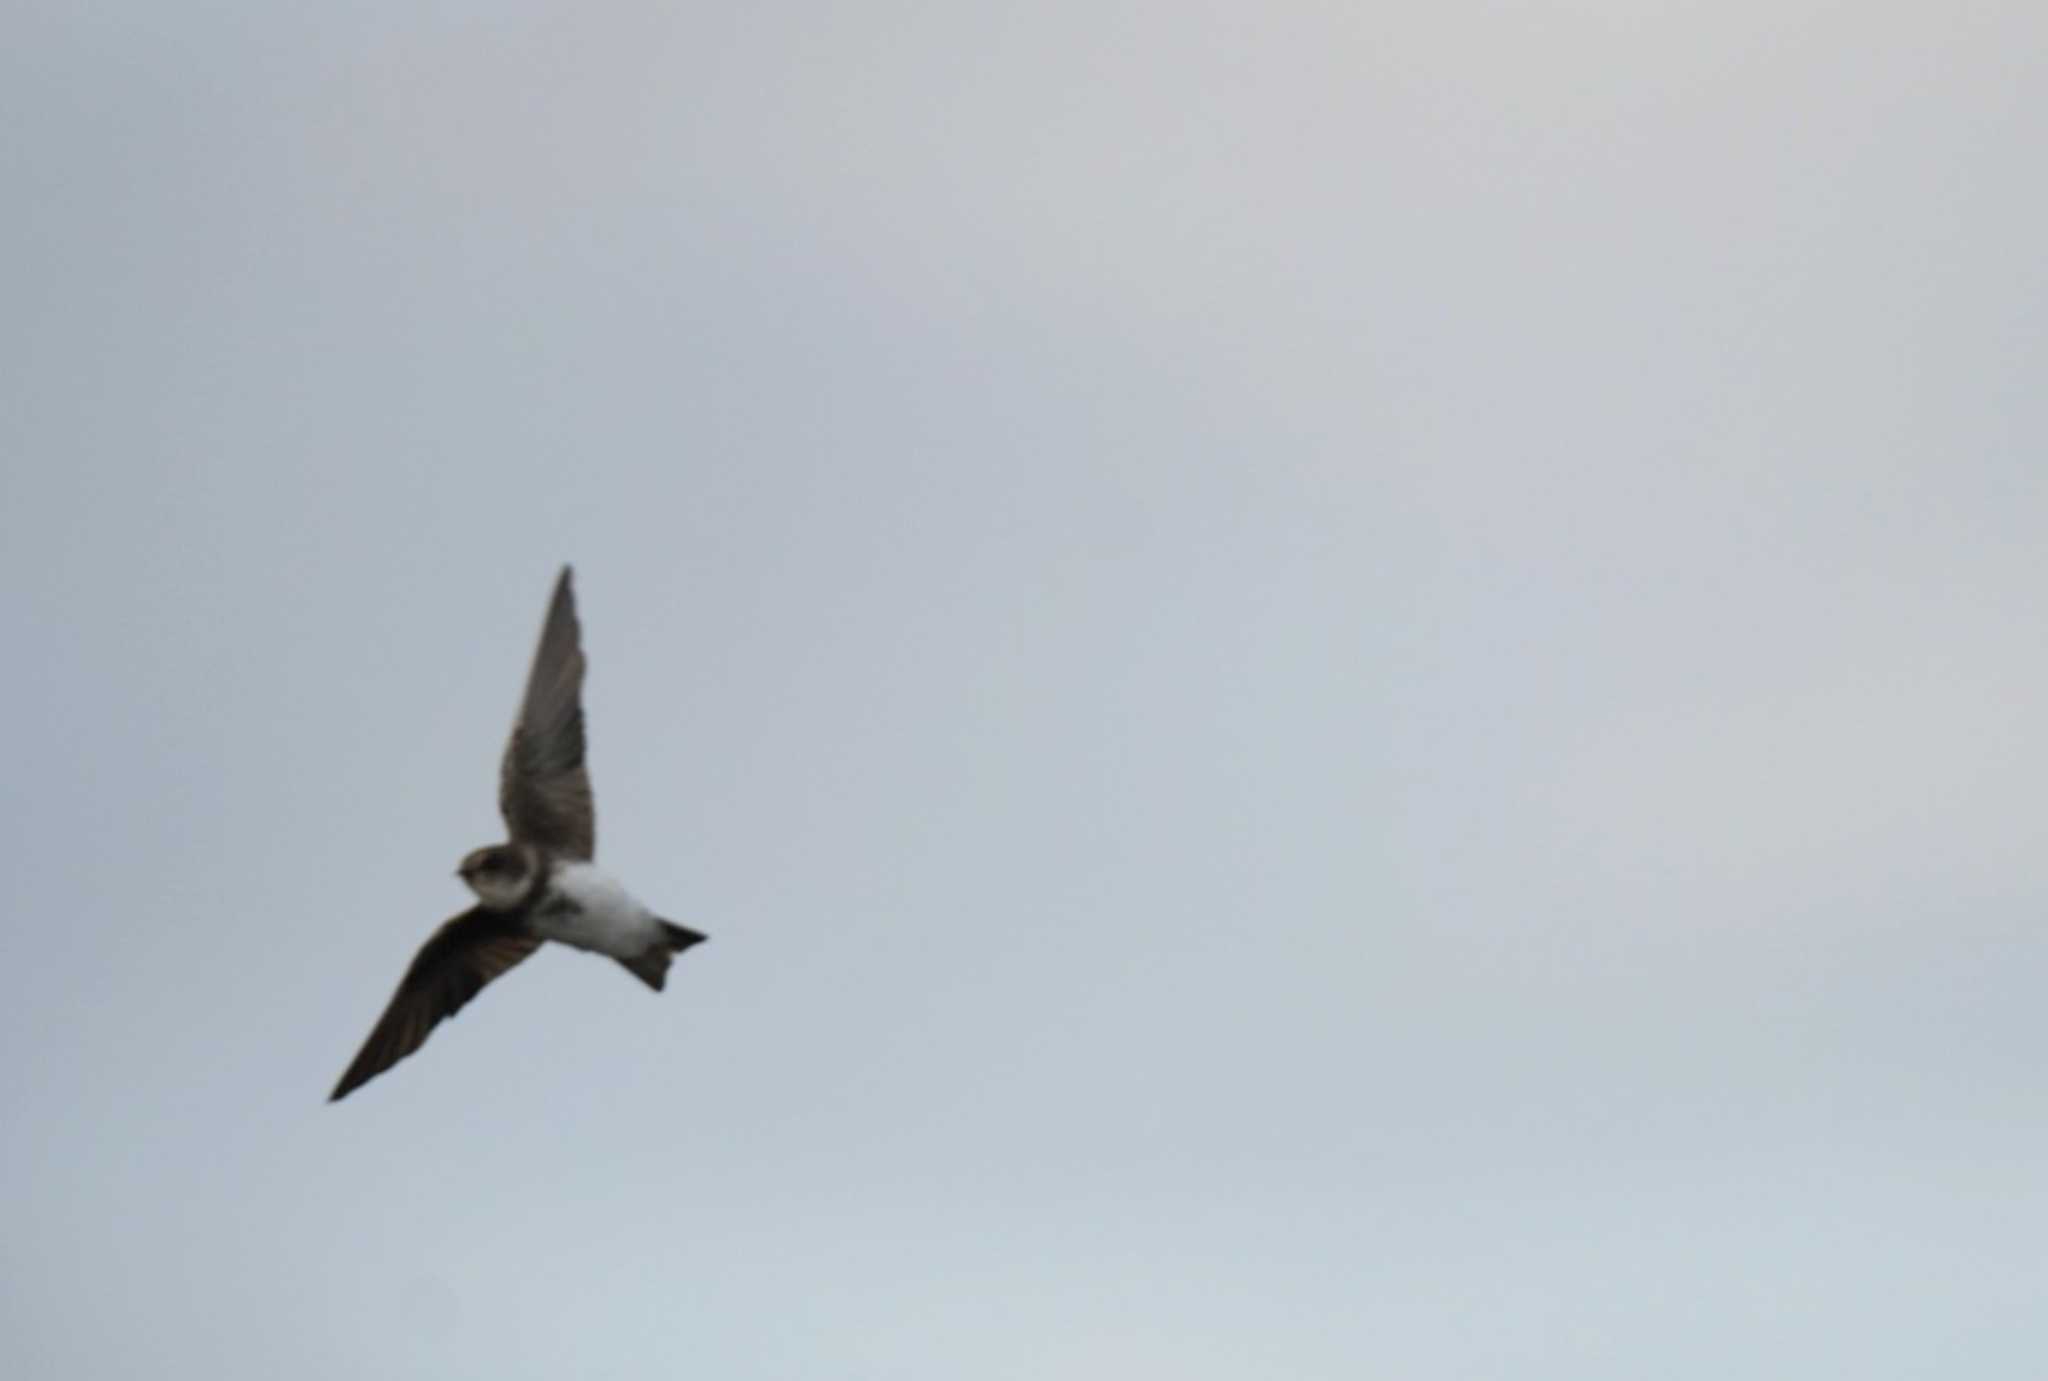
<point x="500" y="893"/>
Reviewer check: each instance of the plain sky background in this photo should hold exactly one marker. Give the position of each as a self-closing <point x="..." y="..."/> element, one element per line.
<point x="1352" y="690"/>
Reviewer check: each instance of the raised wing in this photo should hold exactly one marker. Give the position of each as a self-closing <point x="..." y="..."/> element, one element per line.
<point x="543" y="786"/>
<point x="450" y="969"/>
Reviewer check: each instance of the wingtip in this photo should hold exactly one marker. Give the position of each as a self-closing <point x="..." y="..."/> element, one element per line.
<point x="351" y="1080"/>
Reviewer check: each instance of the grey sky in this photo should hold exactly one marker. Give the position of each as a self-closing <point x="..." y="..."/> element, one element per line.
<point x="1350" y="689"/>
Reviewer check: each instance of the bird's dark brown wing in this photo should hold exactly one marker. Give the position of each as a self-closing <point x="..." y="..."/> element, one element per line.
<point x="450" y="969"/>
<point x="543" y="786"/>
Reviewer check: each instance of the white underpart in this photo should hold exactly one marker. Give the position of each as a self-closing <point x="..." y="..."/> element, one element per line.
<point x="601" y="917"/>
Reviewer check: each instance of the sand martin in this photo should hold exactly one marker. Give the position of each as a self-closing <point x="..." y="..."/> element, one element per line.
<point x="541" y="885"/>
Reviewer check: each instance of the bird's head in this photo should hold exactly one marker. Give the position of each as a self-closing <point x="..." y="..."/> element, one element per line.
<point x="502" y="875"/>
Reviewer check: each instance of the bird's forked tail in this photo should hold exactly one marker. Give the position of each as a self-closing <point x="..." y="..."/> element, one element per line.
<point x="650" y="966"/>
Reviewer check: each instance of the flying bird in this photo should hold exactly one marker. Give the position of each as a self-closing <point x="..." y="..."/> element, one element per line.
<point x="540" y="885"/>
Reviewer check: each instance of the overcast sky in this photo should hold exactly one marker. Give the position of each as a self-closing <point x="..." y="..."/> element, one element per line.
<point x="1352" y="690"/>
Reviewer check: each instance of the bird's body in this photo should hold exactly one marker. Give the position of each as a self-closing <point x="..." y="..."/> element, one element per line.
<point x="542" y="884"/>
<point x="586" y="907"/>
